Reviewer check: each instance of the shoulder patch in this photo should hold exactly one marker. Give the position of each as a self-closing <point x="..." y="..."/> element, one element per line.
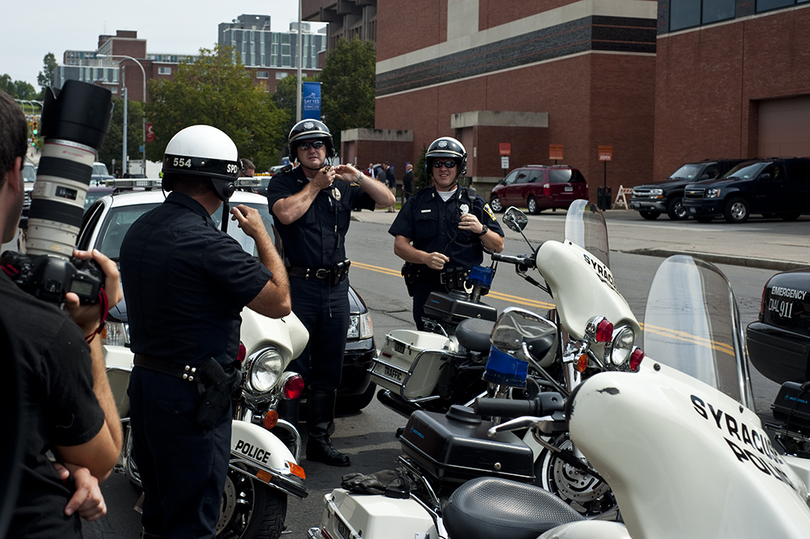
<point x="489" y="212"/>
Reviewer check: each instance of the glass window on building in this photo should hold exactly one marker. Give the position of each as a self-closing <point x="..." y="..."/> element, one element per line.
<point x="690" y="13"/>
<point x="280" y="75"/>
<point x="262" y="75"/>
<point x="164" y="70"/>
<point x="717" y="10"/>
<point x="767" y="5"/>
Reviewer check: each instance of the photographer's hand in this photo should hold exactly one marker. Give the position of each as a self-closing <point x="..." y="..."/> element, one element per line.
<point x="87" y="500"/>
<point x="88" y="317"/>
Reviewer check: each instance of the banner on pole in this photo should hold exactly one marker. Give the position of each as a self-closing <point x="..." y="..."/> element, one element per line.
<point x="311" y="101"/>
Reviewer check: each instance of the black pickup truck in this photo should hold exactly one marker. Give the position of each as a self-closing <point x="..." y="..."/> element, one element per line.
<point x="653" y="199"/>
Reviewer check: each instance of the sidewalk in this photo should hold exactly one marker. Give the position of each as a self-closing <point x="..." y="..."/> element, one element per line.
<point x="771" y="244"/>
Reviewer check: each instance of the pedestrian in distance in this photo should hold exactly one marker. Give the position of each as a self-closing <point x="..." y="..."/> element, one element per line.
<point x="312" y="205"/>
<point x="186" y="282"/>
<point x="443" y="230"/>
<point x="391" y="181"/>
<point x="246" y="168"/>
<point x="68" y="411"/>
<point x="407" y="183"/>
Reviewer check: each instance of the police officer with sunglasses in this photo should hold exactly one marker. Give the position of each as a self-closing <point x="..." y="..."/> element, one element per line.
<point x="442" y="230"/>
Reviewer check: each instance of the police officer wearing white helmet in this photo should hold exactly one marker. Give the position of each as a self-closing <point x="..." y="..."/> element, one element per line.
<point x="185" y="283"/>
<point x="312" y="205"/>
<point x="442" y="230"/>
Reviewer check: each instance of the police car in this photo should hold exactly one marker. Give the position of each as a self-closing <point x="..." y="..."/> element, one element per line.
<point x="779" y="340"/>
<point x="107" y="221"/>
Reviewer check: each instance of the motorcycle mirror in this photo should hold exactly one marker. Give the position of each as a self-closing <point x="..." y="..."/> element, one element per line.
<point x="515" y="219"/>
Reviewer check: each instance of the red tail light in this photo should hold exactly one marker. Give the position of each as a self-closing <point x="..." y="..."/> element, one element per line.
<point x="293" y="387"/>
<point x="242" y="353"/>
<point x="635" y="358"/>
<point x="547" y="190"/>
<point x="604" y="331"/>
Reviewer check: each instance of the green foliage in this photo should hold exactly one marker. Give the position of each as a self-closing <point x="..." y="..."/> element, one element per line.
<point x="18" y="89"/>
<point x="111" y="148"/>
<point x="45" y="77"/>
<point x="215" y="90"/>
<point x="349" y="86"/>
<point x="421" y="179"/>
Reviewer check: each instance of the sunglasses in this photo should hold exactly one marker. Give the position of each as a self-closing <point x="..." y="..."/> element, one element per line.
<point x="446" y="164"/>
<point x="318" y="144"/>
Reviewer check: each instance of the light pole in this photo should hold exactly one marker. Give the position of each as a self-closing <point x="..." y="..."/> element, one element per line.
<point x="300" y="56"/>
<point x="143" y="108"/>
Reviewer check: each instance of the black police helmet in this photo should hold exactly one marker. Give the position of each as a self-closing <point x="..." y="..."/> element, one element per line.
<point x="444" y="147"/>
<point x="310" y="130"/>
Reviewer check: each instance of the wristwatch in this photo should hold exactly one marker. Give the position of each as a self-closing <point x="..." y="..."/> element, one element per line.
<point x="484" y="230"/>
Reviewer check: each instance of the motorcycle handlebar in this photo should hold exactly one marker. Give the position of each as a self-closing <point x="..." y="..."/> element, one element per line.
<point x="544" y="404"/>
<point x="517" y="260"/>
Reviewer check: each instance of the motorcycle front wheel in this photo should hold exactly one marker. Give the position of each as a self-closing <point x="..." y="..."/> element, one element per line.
<point x="250" y="509"/>
<point x="588" y="495"/>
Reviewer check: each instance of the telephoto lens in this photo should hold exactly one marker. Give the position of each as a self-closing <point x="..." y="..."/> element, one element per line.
<point x="74" y="123"/>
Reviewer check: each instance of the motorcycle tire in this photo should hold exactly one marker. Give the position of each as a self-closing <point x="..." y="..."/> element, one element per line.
<point x="250" y="509"/>
<point x="588" y="495"/>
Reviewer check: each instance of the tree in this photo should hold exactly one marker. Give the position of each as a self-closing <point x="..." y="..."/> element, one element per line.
<point x="217" y="91"/>
<point x="18" y="89"/>
<point x="45" y="77"/>
<point x="111" y="148"/>
<point x="349" y="86"/>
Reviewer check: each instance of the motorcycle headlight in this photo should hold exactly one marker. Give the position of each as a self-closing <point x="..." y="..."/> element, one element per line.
<point x="263" y="369"/>
<point x="116" y="333"/>
<point x="360" y="327"/>
<point x="622" y="345"/>
<point x="713" y="193"/>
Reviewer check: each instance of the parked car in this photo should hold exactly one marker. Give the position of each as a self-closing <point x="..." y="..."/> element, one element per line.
<point x="100" y="174"/>
<point x="29" y="178"/>
<point x="779" y="340"/>
<point x="94" y="193"/>
<point x="106" y="222"/>
<point x="538" y="188"/>
<point x="778" y="187"/>
<point x="651" y="200"/>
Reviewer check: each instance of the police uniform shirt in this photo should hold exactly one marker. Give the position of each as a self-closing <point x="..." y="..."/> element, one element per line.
<point x="185" y="283"/>
<point x="432" y="225"/>
<point x="316" y="239"/>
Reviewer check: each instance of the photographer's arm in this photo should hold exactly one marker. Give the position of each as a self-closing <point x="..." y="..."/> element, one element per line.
<point x="100" y="454"/>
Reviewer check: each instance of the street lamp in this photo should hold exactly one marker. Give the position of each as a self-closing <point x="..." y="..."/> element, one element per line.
<point x="143" y="108"/>
<point x="299" y="86"/>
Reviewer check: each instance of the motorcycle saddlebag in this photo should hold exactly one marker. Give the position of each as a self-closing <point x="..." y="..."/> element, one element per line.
<point x="454" y="448"/>
<point x="410" y="362"/>
<point x="451" y="309"/>
<point x="792" y="405"/>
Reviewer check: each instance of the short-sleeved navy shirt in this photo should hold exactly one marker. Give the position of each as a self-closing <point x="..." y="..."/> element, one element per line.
<point x="185" y="283"/>
<point x="59" y="407"/>
<point x="432" y="225"/>
<point x="316" y="239"/>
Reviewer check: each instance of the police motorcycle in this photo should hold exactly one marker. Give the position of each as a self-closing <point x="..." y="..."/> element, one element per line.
<point x="679" y="442"/>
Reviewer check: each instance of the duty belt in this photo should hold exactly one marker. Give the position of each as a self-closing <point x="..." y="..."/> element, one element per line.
<point x="164" y="366"/>
<point x="334" y="274"/>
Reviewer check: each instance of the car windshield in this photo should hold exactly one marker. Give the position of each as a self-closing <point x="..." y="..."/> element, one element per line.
<point x="746" y="171"/>
<point x="29" y="173"/>
<point x="121" y="218"/>
<point x="687" y="172"/>
<point x="100" y="169"/>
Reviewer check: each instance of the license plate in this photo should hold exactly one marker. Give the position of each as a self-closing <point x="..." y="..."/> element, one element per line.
<point x="568" y="188"/>
<point x="392" y="373"/>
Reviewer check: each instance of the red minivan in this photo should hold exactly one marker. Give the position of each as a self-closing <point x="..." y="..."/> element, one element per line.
<point x="538" y="188"/>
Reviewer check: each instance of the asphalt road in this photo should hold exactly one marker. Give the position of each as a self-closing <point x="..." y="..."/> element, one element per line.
<point x="368" y="437"/>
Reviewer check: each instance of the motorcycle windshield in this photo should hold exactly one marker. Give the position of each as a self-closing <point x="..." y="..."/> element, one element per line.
<point x="585" y="226"/>
<point x="691" y="323"/>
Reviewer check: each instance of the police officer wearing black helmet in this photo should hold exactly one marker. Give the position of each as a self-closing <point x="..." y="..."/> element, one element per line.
<point x="442" y="230"/>
<point x="186" y="282"/>
<point x="312" y="205"/>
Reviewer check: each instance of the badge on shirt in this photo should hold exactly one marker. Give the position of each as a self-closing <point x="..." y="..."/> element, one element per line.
<point x="464" y="209"/>
<point x="336" y="193"/>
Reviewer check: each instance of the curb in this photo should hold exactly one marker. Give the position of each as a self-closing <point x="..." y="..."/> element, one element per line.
<point x="761" y="263"/>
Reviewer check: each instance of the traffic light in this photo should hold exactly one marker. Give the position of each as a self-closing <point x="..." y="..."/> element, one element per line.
<point x="34" y="129"/>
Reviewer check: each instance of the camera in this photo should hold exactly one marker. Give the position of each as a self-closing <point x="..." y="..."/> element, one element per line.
<point x="74" y="124"/>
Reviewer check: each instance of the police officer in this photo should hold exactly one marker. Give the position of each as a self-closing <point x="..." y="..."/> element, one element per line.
<point x="185" y="282"/>
<point x="312" y="205"/>
<point x="442" y="230"/>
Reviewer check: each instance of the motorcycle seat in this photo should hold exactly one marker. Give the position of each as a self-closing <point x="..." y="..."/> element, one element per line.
<point x="473" y="334"/>
<point x="488" y="507"/>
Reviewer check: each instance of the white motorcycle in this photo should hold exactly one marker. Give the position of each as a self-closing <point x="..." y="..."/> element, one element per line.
<point x="683" y="451"/>
<point x="262" y="469"/>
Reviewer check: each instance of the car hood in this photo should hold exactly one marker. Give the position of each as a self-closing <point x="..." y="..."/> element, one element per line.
<point x="717" y="182"/>
<point x="669" y="183"/>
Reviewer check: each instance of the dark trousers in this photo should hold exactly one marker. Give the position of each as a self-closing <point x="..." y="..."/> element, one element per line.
<point x="182" y="465"/>
<point x="324" y="311"/>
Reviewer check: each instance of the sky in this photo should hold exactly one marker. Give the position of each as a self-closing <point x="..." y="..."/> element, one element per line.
<point x="170" y="26"/>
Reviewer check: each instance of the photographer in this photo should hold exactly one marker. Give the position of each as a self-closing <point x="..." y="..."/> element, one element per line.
<point x="68" y="408"/>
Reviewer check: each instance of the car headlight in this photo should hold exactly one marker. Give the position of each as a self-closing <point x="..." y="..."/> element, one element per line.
<point x="656" y="192"/>
<point x="713" y="193"/>
<point x="263" y="369"/>
<point x="360" y="327"/>
<point x="115" y="333"/>
<point x="622" y="345"/>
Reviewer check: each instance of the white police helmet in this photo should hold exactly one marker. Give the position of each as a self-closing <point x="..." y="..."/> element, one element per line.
<point x="204" y="151"/>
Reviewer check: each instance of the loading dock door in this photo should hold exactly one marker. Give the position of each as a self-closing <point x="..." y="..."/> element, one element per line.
<point x="784" y="128"/>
